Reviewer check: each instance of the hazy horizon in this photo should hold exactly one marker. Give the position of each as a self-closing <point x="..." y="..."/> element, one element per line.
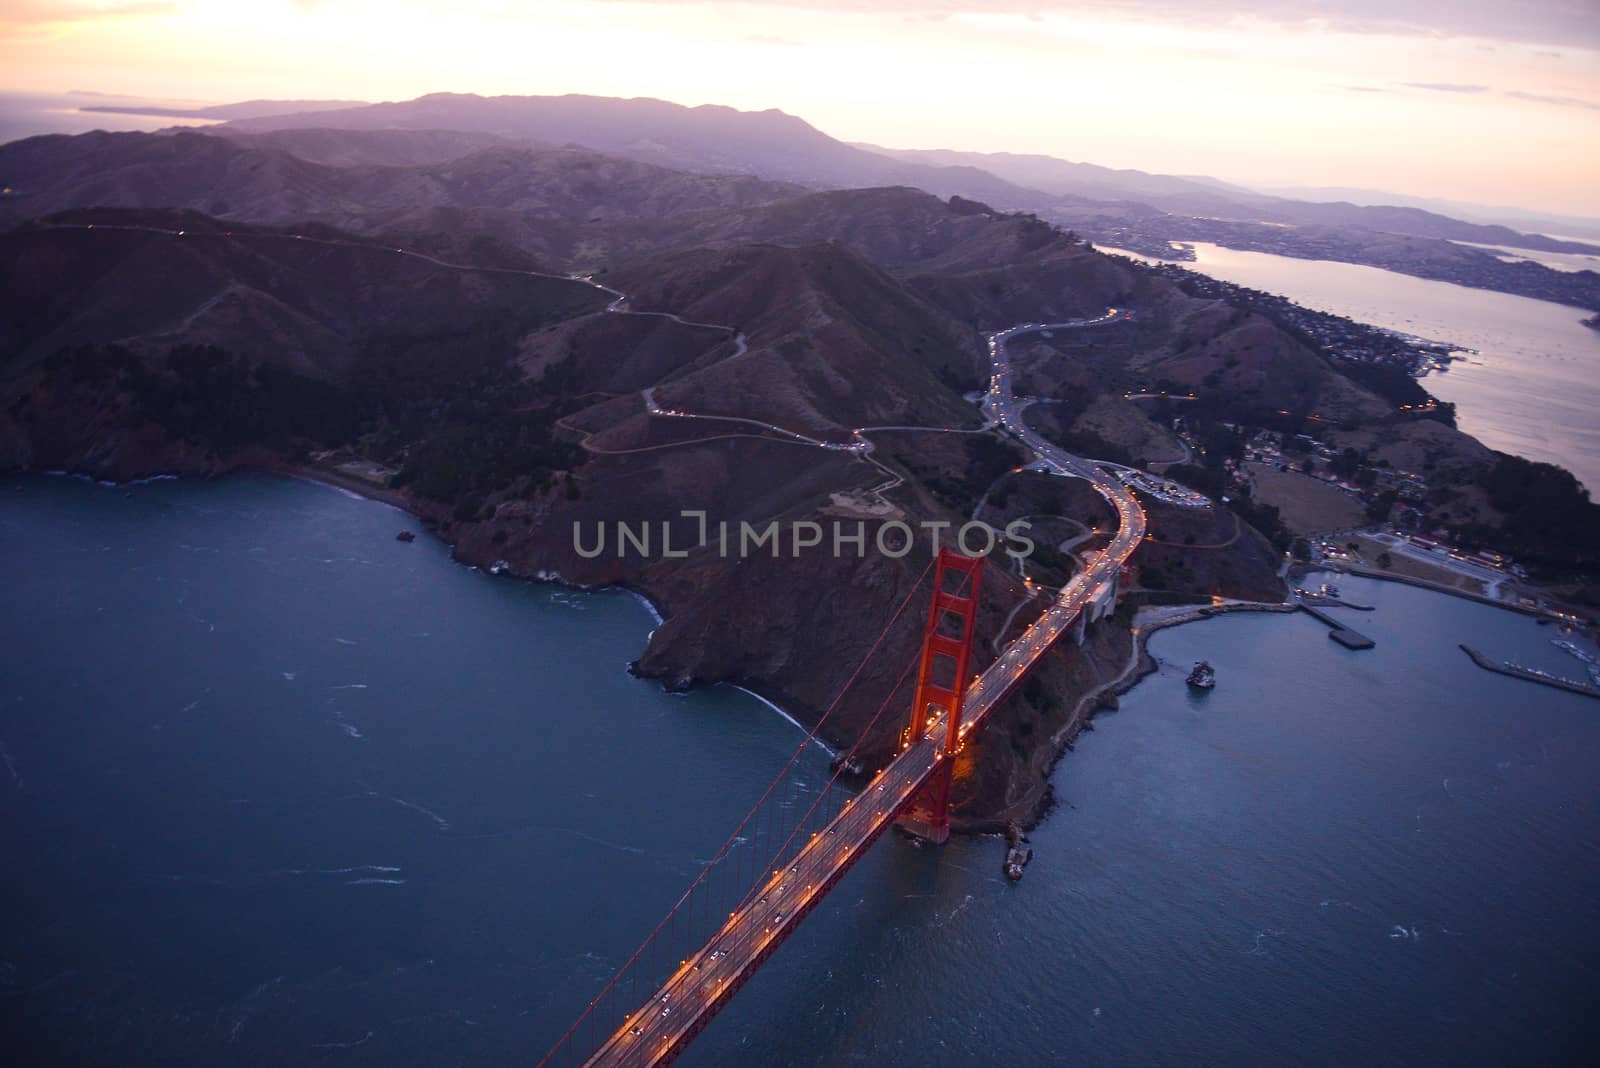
<point x="1486" y="104"/>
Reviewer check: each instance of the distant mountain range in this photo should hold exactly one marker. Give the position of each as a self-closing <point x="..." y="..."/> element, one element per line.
<point x="707" y="139"/>
<point x="772" y="144"/>
<point x="544" y="176"/>
<point x="1575" y="227"/>
<point x="1212" y="198"/>
<point x="1037" y="173"/>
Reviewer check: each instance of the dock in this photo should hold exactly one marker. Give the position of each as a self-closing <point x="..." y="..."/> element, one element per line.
<point x="1529" y="675"/>
<point x="1345" y="636"/>
<point x="1335" y="602"/>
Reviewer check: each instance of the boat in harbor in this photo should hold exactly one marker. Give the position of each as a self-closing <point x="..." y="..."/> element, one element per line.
<point x="1203" y="677"/>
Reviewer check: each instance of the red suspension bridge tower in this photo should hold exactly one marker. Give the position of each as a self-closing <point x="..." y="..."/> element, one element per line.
<point x="942" y="687"/>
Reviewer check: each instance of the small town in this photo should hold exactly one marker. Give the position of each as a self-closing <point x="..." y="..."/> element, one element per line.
<point x="1333" y="335"/>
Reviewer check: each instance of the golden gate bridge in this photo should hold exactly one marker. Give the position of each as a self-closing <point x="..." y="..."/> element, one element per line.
<point x="773" y="870"/>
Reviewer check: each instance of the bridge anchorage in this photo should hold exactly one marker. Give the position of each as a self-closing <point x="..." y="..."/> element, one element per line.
<point x="942" y="689"/>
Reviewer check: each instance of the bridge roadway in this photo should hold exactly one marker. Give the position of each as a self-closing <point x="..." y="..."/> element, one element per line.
<point x="677" y="1011"/>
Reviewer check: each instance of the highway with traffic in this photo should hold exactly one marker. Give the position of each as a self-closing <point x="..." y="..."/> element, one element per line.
<point x="1003" y="406"/>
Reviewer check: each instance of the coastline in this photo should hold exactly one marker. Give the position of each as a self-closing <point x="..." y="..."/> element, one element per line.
<point x="1034" y="809"/>
<point x="1421" y="583"/>
<point x="1031" y="810"/>
<point x="365" y="490"/>
<point x="399" y="501"/>
<point x="801" y="727"/>
<point x="1141" y="664"/>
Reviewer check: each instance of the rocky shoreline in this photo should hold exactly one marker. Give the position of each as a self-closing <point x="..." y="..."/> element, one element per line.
<point x="1120" y="658"/>
<point x="1107" y="648"/>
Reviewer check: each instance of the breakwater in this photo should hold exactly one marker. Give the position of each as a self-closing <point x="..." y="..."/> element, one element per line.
<point x="1345" y="636"/>
<point x="1528" y="674"/>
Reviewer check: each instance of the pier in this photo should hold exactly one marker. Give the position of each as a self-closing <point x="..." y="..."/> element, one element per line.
<point x="1350" y="639"/>
<point x="1529" y="675"/>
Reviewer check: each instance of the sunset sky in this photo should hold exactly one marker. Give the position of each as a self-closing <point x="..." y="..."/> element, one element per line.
<point x="1493" y="101"/>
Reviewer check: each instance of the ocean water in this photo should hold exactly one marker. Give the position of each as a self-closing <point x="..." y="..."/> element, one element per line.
<point x="277" y="788"/>
<point x="1531" y="384"/>
<point x="28" y="114"/>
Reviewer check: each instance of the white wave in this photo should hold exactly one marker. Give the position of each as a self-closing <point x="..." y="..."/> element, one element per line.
<point x="346" y="641"/>
<point x="816" y="741"/>
<point x="364" y="870"/>
<point x="650" y="607"/>
<point x="609" y="845"/>
<point x="351" y="730"/>
<point x="342" y="1045"/>
<point x="444" y="824"/>
<point x="375" y="882"/>
<point x="288" y="675"/>
<point x="958" y="910"/>
<point x="350" y="686"/>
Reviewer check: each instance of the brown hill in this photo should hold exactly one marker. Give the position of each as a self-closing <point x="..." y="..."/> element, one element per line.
<point x="834" y="342"/>
<point x="366" y="148"/>
<point x="709" y="139"/>
<point x="260" y="179"/>
<point x="310" y="305"/>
